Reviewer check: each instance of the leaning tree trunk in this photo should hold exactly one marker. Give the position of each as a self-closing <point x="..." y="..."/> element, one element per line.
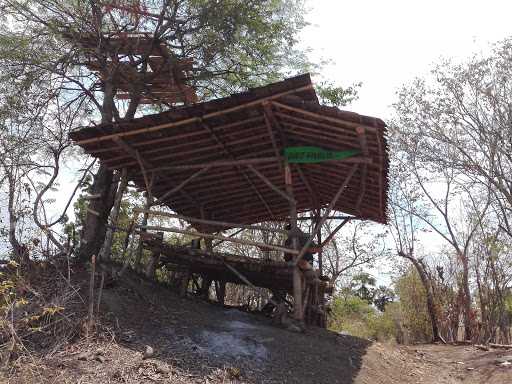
<point x="98" y="210"/>
<point x="109" y="237"/>
<point x="430" y="297"/>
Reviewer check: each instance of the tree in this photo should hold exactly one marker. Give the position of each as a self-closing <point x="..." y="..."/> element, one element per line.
<point x="405" y="222"/>
<point x="460" y="119"/>
<point x="233" y="44"/>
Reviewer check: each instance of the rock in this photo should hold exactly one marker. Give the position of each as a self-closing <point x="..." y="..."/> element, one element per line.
<point x="148" y="352"/>
<point x="504" y="359"/>
<point x="163" y="368"/>
<point x="294" y="328"/>
<point x="100" y="358"/>
<point x="470" y="368"/>
<point x="505" y="364"/>
<point x="84" y="356"/>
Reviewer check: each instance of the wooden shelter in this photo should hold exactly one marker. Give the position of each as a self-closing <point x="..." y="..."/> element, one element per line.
<point x="224" y="164"/>
<point x="140" y="64"/>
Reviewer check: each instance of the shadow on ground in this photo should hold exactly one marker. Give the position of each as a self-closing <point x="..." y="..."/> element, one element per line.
<point x="202" y="339"/>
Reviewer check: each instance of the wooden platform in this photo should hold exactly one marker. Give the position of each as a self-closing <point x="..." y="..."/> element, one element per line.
<point x="274" y="275"/>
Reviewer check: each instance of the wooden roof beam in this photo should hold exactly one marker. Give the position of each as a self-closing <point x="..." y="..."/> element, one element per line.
<point x="319" y="116"/>
<point x="272" y="185"/>
<point x="228" y="153"/>
<point x="180" y="186"/>
<point x="147" y="164"/>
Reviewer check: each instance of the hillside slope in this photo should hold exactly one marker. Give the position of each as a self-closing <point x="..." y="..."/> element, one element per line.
<point x="189" y="341"/>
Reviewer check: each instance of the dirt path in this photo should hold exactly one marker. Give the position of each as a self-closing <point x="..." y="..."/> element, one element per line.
<point x="195" y="342"/>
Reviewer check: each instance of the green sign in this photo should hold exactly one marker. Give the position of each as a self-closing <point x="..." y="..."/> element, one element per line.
<point x="315" y="154"/>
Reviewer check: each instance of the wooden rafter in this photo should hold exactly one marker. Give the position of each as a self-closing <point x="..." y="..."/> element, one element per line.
<point x="326" y="214"/>
<point x="239" y="169"/>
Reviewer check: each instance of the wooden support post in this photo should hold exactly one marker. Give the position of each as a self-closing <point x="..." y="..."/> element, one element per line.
<point x="220" y="291"/>
<point x="207" y="282"/>
<point x="319" y="241"/>
<point x="153" y="261"/>
<point x="298" y="314"/>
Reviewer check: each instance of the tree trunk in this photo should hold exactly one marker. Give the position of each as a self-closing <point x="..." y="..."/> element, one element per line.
<point x="107" y="245"/>
<point x="430" y="297"/>
<point x="96" y="219"/>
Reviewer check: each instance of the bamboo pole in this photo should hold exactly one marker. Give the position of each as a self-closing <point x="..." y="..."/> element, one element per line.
<point x="212" y="164"/>
<point x="272" y="138"/>
<point x="271" y="185"/>
<point x="210" y="222"/>
<point x="232" y="235"/>
<point x="315" y="115"/>
<point x="217" y="237"/>
<point x="297" y="275"/>
<point x="303" y="218"/>
<point x="328" y="211"/>
<point x="180" y="186"/>
<point x="333" y="233"/>
<point x="319" y="241"/>
<point x="330" y="131"/>
<point x="312" y="193"/>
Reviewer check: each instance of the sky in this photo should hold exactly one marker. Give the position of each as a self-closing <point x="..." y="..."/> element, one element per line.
<point x="384" y="44"/>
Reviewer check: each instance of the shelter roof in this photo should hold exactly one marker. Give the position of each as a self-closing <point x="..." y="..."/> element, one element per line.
<point x="221" y="159"/>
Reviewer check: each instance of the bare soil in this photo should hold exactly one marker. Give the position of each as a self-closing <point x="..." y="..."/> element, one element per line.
<point x="150" y="335"/>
